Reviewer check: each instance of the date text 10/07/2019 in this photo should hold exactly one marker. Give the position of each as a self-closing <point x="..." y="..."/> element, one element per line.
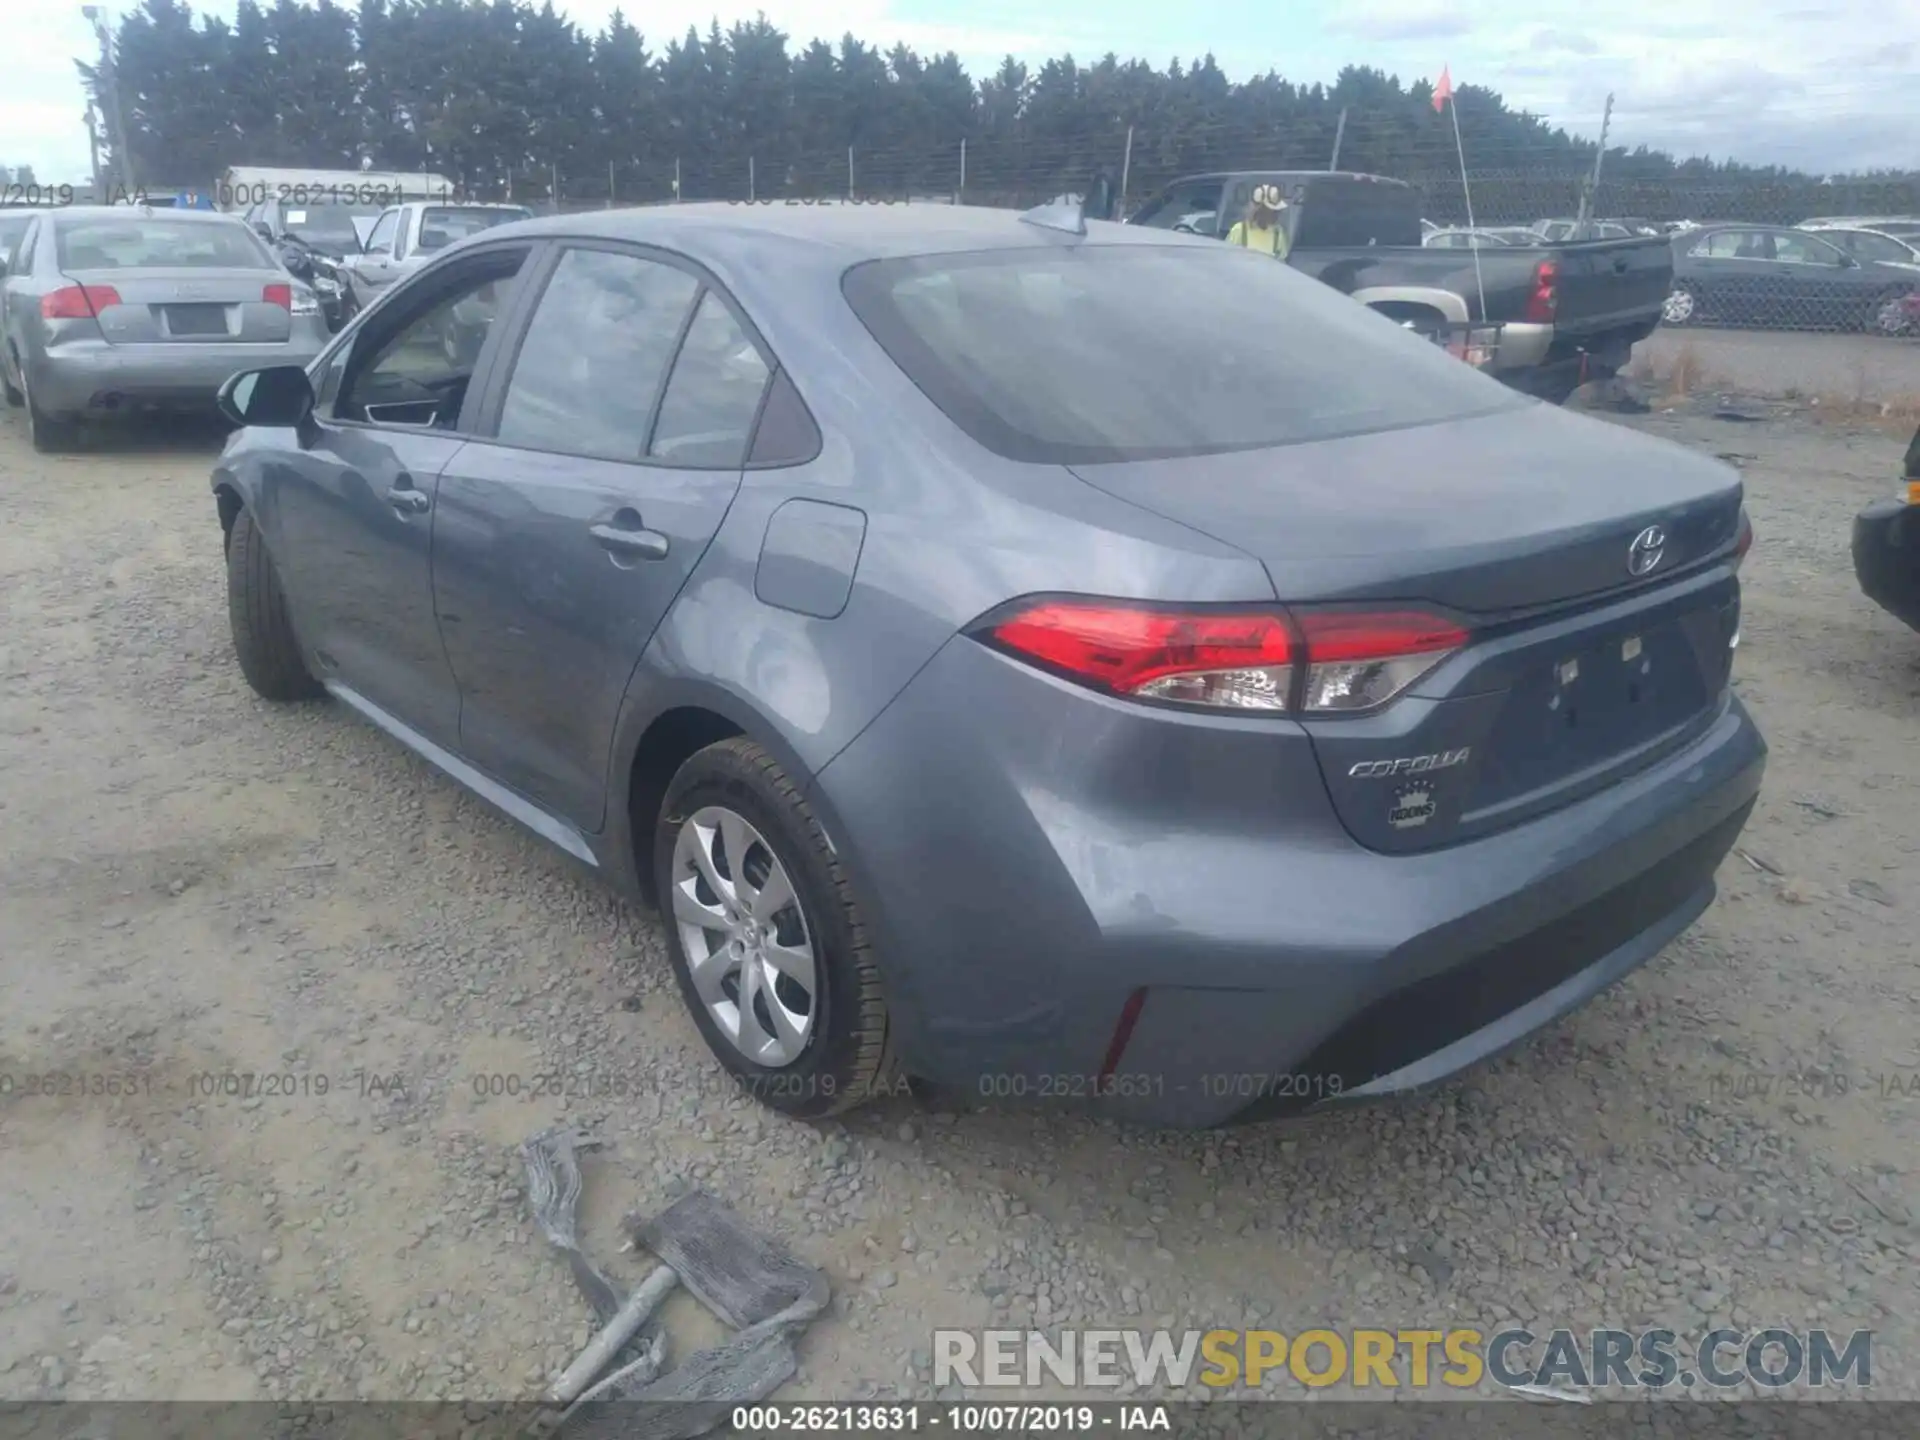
<point x="958" y="1419"/>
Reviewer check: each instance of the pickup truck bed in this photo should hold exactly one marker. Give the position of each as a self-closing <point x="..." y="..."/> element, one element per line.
<point x="1566" y="313"/>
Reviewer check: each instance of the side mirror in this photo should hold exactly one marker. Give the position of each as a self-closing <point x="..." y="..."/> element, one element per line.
<point x="263" y="230"/>
<point x="1848" y="262"/>
<point x="278" y="397"/>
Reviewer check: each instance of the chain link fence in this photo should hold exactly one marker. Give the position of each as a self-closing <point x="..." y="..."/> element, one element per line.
<point x="1738" y="260"/>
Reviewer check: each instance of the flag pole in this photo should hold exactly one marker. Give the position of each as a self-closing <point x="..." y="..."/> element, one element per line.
<point x="1479" y="281"/>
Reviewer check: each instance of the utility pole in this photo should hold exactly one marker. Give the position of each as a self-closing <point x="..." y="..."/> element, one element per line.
<point x="1588" y="199"/>
<point x="1339" y="134"/>
<point x="1126" y="175"/>
<point x="93" y="147"/>
<point x="110" y="79"/>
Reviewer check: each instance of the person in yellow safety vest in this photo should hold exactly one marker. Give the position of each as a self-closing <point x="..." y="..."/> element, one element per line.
<point x="1262" y="229"/>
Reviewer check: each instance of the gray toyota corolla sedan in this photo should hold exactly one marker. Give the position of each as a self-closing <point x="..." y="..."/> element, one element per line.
<point x="107" y="310"/>
<point x="1102" y="666"/>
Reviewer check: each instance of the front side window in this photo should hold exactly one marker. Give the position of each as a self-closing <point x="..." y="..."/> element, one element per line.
<point x="414" y="371"/>
<point x="1194" y="206"/>
<point x="1111" y="353"/>
<point x="707" y="415"/>
<point x="595" y="354"/>
<point x="381" y="237"/>
<point x="157" y="243"/>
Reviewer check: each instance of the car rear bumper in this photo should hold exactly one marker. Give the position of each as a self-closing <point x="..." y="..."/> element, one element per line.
<point x="1886" y="558"/>
<point x="1070" y="902"/>
<point x="98" y="379"/>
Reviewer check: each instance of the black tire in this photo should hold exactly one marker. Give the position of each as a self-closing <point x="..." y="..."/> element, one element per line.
<point x="51" y="435"/>
<point x="848" y="1058"/>
<point x="14" y="397"/>
<point x="263" y="639"/>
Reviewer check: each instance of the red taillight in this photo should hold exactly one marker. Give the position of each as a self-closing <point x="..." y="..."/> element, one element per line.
<point x="77" y="302"/>
<point x="1743" y="542"/>
<point x="1543" y="301"/>
<point x="1234" y="660"/>
<point x="1229" y="660"/>
<point x="281" y="295"/>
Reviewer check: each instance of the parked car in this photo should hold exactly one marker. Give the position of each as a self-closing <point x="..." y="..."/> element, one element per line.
<point x="1780" y="277"/>
<point x="1000" y="660"/>
<point x="1886" y="546"/>
<point x="1463" y="239"/>
<point x="111" y="310"/>
<point x="1900" y="226"/>
<point x="13" y="224"/>
<point x="1873" y="245"/>
<point x="1559" y="232"/>
<point x="1565" y="314"/>
<point x="405" y="237"/>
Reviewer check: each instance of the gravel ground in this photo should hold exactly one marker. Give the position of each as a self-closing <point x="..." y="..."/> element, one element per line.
<point x="194" y="883"/>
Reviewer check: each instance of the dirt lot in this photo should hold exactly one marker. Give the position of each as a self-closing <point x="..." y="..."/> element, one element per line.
<point x="194" y="884"/>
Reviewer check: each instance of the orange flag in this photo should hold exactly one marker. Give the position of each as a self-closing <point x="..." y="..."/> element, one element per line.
<point x="1443" y="91"/>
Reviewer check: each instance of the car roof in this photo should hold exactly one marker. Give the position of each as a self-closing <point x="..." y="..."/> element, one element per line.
<point x="849" y="233"/>
<point x="141" y="212"/>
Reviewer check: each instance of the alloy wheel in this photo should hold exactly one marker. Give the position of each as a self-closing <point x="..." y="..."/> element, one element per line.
<point x="1678" y="308"/>
<point x="748" y="945"/>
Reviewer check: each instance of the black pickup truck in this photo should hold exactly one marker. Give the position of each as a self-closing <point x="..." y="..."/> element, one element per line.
<point x="1566" y="313"/>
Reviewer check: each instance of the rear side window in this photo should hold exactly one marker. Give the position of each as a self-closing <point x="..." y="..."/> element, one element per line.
<point x="1339" y="214"/>
<point x="1100" y="353"/>
<point x="156" y="243"/>
<point x="595" y="354"/>
<point x="707" y="415"/>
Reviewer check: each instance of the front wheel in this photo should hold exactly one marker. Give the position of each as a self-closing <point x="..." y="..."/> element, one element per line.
<point x="1888" y="314"/>
<point x="1682" y="307"/>
<point x="766" y="938"/>
<point x="263" y="638"/>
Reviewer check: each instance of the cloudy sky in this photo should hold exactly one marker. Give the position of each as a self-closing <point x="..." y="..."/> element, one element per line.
<point x="1826" y="86"/>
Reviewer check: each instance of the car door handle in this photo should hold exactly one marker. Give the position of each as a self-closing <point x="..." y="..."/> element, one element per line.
<point x="407" y="500"/>
<point x="639" y="543"/>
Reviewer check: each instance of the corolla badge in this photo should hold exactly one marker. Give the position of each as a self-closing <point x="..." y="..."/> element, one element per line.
<point x="1644" y="554"/>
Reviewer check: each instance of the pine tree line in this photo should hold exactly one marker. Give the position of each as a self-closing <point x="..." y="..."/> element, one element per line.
<point x="506" y="98"/>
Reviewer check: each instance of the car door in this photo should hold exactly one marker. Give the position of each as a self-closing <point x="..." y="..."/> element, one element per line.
<point x="564" y="533"/>
<point x="351" y="505"/>
<point x="15" y="283"/>
<point x="375" y="267"/>
<point x="1730" y="272"/>
<point x="1821" y="288"/>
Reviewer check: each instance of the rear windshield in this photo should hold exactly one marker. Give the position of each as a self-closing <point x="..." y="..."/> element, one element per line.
<point x="440" y="226"/>
<point x="1093" y="353"/>
<point x="157" y="243"/>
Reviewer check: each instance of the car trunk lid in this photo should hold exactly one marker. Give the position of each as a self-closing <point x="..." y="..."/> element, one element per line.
<point x="190" y="305"/>
<point x="1524" y="528"/>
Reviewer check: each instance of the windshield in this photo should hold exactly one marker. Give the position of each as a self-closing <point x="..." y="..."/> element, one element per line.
<point x="154" y="243"/>
<point x="441" y="225"/>
<point x="1108" y="353"/>
<point x="328" y="224"/>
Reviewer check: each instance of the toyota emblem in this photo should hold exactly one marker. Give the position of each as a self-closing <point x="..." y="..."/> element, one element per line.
<point x="1643" y="555"/>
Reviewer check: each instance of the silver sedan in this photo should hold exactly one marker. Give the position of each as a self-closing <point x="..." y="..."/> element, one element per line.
<point x="111" y="310"/>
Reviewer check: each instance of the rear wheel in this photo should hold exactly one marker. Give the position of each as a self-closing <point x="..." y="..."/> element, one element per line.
<point x="263" y="639"/>
<point x="1682" y="307"/>
<point x="1888" y="313"/>
<point x="767" y="940"/>
<point x="50" y="434"/>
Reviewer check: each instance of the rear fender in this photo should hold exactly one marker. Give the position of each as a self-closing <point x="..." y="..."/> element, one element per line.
<point x="1449" y="306"/>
